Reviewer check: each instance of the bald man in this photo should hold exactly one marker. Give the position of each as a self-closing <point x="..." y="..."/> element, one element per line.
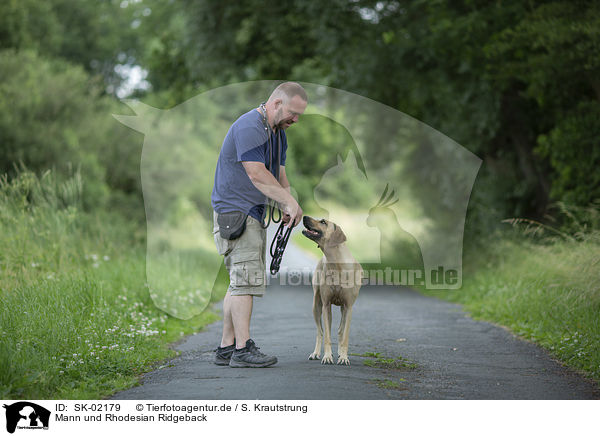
<point x="251" y="170"/>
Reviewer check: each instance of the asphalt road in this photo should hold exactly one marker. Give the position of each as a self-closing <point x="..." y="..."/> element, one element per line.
<point x="455" y="356"/>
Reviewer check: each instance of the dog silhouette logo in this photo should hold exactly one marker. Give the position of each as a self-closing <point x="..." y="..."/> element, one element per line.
<point x="429" y="173"/>
<point x="26" y="415"/>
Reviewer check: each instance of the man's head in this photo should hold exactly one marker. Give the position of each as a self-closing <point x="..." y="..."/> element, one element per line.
<point x="286" y="103"/>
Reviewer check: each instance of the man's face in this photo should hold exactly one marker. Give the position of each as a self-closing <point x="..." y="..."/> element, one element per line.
<point x="288" y="114"/>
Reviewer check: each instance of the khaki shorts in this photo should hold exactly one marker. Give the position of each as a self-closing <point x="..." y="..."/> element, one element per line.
<point x="244" y="258"/>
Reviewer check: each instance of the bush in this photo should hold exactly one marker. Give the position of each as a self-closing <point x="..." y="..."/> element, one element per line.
<point x="53" y="116"/>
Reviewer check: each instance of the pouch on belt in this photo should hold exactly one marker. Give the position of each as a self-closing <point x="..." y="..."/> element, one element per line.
<point x="231" y="224"/>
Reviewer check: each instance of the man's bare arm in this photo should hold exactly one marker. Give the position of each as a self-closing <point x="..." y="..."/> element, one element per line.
<point x="286" y="185"/>
<point x="283" y="179"/>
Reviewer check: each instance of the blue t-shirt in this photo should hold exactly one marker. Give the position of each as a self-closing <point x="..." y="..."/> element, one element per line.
<point x="246" y="140"/>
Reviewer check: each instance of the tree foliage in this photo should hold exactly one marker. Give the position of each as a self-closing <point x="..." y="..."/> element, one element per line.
<point x="96" y="35"/>
<point x="515" y="82"/>
<point x="52" y="115"/>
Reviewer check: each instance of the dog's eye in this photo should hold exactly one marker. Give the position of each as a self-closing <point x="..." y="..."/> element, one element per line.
<point x="323" y="222"/>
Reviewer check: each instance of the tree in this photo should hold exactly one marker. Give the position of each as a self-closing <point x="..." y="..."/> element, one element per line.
<point x="97" y="35"/>
<point x="52" y="115"/>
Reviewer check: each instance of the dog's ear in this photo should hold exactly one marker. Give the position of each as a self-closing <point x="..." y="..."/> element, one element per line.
<point x="338" y="237"/>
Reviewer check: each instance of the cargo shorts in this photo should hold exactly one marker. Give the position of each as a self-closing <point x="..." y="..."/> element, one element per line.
<point x="244" y="258"/>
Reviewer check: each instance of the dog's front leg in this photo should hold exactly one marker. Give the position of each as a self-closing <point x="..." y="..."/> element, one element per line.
<point x="327" y="354"/>
<point x="343" y="334"/>
<point x="317" y="309"/>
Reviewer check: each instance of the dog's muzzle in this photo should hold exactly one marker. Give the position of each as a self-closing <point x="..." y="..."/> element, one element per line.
<point x="309" y="231"/>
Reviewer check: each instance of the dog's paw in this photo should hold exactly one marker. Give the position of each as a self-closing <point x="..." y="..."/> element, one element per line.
<point x="327" y="359"/>
<point x="314" y="356"/>
<point x="343" y="360"/>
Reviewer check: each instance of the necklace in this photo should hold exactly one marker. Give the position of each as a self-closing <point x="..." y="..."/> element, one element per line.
<point x="263" y="111"/>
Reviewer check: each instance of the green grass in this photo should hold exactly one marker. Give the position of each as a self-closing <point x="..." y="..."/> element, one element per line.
<point x="383" y="362"/>
<point x="375" y="359"/>
<point x="390" y="363"/>
<point x="390" y="384"/>
<point x="545" y="291"/>
<point x="76" y="317"/>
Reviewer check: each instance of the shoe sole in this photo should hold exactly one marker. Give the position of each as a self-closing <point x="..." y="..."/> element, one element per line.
<point x="239" y="364"/>
<point x="222" y="362"/>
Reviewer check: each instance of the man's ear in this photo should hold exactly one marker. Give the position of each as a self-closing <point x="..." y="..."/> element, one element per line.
<point x="338" y="237"/>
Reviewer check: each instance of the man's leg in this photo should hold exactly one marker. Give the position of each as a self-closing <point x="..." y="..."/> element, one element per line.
<point x="225" y="351"/>
<point x="247" y="279"/>
<point x="228" y="330"/>
<point x="241" y="312"/>
<point x="246" y="352"/>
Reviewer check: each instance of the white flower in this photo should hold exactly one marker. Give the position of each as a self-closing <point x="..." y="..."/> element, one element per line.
<point x="106" y="258"/>
<point x="96" y="265"/>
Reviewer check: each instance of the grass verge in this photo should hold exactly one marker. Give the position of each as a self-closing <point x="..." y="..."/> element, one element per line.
<point x="76" y="317"/>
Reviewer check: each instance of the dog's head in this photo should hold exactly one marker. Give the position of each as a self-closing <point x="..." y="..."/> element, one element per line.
<point x="323" y="232"/>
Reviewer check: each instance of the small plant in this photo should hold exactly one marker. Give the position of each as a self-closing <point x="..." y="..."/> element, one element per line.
<point x="390" y="384"/>
<point x="386" y="362"/>
<point x="368" y="354"/>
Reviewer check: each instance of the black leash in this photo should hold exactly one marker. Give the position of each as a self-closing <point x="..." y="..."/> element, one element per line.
<point x="280" y="241"/>
<point x="281" y="237"/>
<point x="270" y="206"/>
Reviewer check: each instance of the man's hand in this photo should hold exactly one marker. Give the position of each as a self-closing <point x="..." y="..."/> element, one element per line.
<point x="292" y="213"/>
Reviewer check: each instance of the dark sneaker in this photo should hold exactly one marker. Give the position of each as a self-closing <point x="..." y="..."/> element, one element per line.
<point x="250" y="357"/>
<point x="223" y="355"/>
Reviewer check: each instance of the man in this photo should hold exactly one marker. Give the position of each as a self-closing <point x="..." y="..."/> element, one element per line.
<point x="251" y="166"/>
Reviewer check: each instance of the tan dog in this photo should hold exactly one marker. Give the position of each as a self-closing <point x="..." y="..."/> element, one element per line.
<point x="336" y="280"/>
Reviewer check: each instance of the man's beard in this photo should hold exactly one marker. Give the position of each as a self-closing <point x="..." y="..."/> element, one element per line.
<point x="282" y="123"/>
